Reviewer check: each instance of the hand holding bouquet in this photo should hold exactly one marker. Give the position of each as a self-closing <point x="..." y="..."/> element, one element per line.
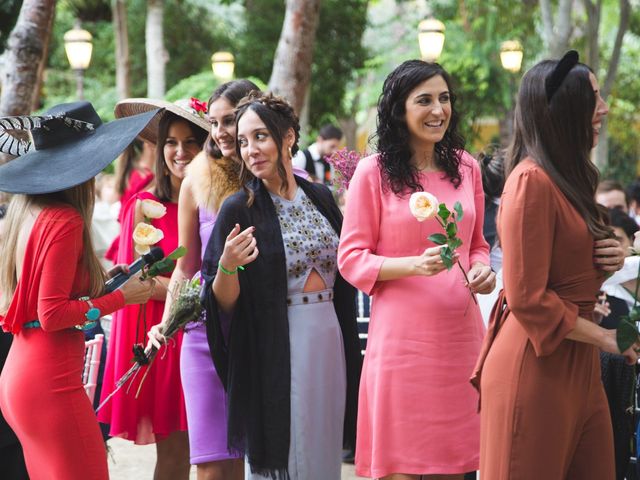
<point x="185" y="308"/>
<point x="423" y="206"/>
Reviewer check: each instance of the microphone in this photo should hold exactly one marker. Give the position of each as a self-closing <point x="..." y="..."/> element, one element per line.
<point x="119" y="279"/>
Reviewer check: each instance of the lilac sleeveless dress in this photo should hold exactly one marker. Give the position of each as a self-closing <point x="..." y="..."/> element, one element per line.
<point x="204" y="394"/>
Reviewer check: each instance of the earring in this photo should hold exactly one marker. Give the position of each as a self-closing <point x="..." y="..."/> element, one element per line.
<point x="290" y="153"/>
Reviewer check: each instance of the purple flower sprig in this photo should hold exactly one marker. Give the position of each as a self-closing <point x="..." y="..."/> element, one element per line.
<point x="344" y="162"/>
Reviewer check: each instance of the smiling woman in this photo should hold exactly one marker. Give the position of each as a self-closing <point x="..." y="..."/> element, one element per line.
<point x="157" y="414"/>
<point x="291" y="361"/>
<point x="422" y="344"/>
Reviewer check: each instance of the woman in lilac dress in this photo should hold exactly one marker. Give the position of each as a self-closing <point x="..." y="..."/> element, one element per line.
<point x="213" y="176"/>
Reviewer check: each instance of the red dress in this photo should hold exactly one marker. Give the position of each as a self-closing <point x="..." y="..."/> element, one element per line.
<point x="138" y="181"/>
<point x="159" y="409"/>
<point x="41" y="393"/>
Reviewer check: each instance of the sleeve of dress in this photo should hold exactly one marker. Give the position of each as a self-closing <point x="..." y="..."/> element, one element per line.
<point x="479" y="248"/>
<point x="357" y="259"/>
<point x="56" y="309"/>
<point x="527" y="225"/>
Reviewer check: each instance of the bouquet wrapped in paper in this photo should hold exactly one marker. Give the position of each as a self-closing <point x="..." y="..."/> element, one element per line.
<point x="185" y="308"/>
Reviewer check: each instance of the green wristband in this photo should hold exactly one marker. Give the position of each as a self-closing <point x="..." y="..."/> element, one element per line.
<point x="229" y="272"/>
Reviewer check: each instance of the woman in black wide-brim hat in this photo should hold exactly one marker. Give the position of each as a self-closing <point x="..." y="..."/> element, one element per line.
<point x="52" y="283"/>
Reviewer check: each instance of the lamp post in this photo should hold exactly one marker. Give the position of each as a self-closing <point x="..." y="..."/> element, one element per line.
<point x="223" y="65"/>
<point x="430" y="39"/>
<point x="77" y="44"/>
<point x="511" y="54"/>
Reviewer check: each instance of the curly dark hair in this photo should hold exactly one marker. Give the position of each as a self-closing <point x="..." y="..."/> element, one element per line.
<point x="278" y="116"/>
<point x="393" y="135"/>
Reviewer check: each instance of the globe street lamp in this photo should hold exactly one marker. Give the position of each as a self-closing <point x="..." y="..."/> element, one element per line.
<point x="430" y="39"/>
<point x="77" y="44"/>
<point x="511" y="55"/>
<point x="222" y="64"/>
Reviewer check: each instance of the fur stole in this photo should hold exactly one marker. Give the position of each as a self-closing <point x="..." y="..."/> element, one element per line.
<point x="213" y="180"/>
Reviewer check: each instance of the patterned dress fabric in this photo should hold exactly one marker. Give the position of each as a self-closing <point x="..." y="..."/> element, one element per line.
<point x="318" y="371"/>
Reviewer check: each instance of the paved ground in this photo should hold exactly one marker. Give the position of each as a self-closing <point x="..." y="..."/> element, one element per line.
<point x="128" y="462"/>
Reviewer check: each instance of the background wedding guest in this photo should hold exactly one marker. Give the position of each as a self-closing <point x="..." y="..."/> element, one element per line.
<point x="213" y="175"/>
<point x="52" y="285"/>
<point x="617" y="375"/>
<point x="417" y="414"/>
<point x="157" y="414"/>
<point x="556" y="250"/>
<point x="312" y="158"/>
<point x="134" y="173"/>
<point x="611" y="194"/>
<point x="292" y="361"/>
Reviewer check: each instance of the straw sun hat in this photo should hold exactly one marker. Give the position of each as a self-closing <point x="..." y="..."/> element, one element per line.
<point x="182" y="108"/>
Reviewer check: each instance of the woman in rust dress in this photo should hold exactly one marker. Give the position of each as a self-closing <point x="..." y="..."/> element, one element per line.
<point x="544" y="414"/>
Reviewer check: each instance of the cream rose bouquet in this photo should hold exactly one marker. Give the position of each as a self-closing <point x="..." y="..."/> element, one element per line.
<point x="423" y="206"/>
<point x="145" y="235"/>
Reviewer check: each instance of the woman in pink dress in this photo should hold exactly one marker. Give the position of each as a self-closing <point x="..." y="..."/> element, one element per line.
<point x="417" y="412"/>
<point x="158" y="414"/>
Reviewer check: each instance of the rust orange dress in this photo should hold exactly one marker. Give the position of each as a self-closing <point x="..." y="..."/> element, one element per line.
<point x="544" y="413"/>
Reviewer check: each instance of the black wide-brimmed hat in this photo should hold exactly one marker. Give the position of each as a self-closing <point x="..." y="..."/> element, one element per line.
<point x="69" y="145"/>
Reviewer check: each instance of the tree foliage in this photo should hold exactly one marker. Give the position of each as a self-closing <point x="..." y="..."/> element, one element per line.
<point x="338" y="52"/>
<point x="475" y="31"/>
<point x="192" y="34"/>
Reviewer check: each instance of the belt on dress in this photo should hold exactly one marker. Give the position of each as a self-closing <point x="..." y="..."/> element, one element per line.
<point x="85" y="326"/>
<point x="305" y="298"/>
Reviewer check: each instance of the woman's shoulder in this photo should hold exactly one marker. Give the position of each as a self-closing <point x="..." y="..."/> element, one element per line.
<point x="57" y="218"/>
<point x="369" y="164"/>
<point x="367" y="170"/>
<point x="530" y="176"/>
<point x="236" y="202"/>
<point x="468" y="162"/>
<point x="212" y="180"/>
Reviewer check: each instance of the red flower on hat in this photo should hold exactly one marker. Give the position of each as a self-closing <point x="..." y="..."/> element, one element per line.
<point x="198" y="106"/>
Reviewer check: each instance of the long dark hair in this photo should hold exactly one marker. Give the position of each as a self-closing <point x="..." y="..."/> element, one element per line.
<point x="393" y="135"/>
<point x="163" y="188"/>
<point x="278" y="116"/>
<point x="558" y="136"/>
<point x="233" y="92"/>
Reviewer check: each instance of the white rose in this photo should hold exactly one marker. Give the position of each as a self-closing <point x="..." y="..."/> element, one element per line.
<point x="145" y="235"/>
<point x="141" y="249"/>
<point x="423" y="205"/>
<point x="153" y="209"/>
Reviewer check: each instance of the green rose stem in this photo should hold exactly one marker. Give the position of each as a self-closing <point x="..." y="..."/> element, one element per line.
<point x="464" y="273"/>
<point x="450" y="241"/>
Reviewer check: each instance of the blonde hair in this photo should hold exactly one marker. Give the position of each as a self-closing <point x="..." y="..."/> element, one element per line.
<point x="81" y="197"/>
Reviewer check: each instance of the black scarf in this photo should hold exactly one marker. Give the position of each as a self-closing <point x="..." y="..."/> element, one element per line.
<point x="254" y="364"/>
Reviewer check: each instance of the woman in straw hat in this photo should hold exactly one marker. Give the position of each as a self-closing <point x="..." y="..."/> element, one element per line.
<point x="155" y="413"/>
<point x="52" y="283"/>
<point x="213" y="176"/>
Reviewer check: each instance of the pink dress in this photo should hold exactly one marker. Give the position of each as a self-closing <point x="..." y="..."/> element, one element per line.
<point x="417" y="411"/>
<point x="159" y="409"/>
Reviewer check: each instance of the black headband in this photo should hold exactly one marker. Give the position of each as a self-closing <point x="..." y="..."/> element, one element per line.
<point x="564" y="66"/>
